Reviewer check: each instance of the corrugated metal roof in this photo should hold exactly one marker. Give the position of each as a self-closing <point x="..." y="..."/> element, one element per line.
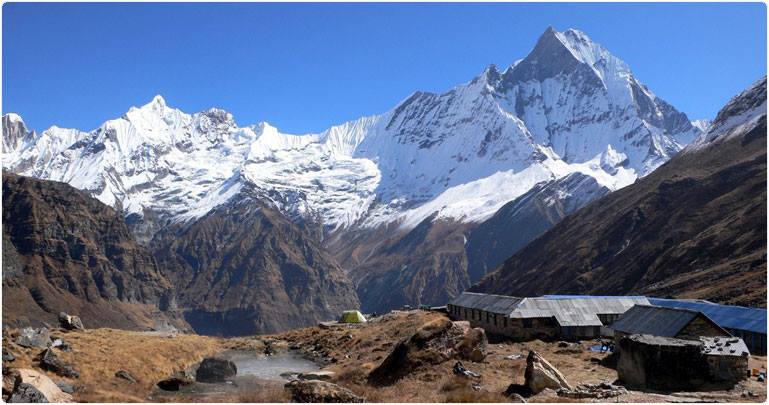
<point x="657" y="321"/>
<point x="567" y="297"/>
<point x="496" y="304"/>
<point x="580" y="311"/>
<point x="726" y="316"/>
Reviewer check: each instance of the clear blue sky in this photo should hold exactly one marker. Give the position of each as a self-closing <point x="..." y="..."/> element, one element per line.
<point x="304" y="67"/>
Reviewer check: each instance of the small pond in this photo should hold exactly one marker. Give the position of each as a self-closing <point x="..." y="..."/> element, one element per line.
<point x="270" y="367"/>
<point x="256" y="372"/>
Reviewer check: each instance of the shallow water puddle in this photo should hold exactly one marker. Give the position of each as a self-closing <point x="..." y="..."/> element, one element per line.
<point x="270" y="367"/>
<point x="256" y="372"/>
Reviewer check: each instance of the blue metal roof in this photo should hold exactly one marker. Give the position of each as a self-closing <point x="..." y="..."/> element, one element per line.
<point x="726" y="316"/>
<point x="569" y="297"/>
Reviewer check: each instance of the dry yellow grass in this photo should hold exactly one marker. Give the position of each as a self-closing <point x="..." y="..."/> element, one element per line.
<point x="98" y="353"/>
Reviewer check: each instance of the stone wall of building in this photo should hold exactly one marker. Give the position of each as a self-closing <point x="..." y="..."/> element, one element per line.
<point x="674" y="364"/>
<point x="699" y="326"/>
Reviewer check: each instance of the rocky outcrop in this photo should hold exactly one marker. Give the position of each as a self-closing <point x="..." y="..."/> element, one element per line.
<point x="213" y="370"/>
<point x="245" y="269"/>
<point x="32" y="386"/>
<point x="320" y="391"/>
<point x="540" y="374"/>
<point x="74" y="253"/>
<point x="434" y="343"/>
<point x="696" y="225"/>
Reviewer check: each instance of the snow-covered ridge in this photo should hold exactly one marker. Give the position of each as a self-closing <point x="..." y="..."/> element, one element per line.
<point x="569" y="106"/>
<point x="741" y="114"/>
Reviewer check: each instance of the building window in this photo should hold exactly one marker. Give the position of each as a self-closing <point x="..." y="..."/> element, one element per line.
<point x="488" y="316"/>
<point x="527" y="323"/>
<point x="505" y="318"/>
<point x="495" y="319"/>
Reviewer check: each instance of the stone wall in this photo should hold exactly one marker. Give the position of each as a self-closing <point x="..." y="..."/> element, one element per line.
<point x="699" y="326"/>
<point x="673" y="364"/>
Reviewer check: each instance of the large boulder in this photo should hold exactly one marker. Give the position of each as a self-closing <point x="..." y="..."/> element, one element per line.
<point x="320" y="391"/>
<point x="42" y="384"/>
<point x="34" y="338"/>
<point x="472" y="346"/>
<point x="214" y="369"/>
<point x="433" y="343"/>
<point x="70" y="322"/>
<point x="51" y="362"/>
<point x="540" y="374"/>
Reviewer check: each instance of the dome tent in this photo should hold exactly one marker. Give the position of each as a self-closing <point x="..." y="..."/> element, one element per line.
<point x="353" y="316"/>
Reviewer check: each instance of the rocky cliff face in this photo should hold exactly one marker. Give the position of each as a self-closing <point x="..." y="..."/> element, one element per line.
<point x="245" y="269"/>
<point x="65" y="251"/>
<point x="694" y="228"/>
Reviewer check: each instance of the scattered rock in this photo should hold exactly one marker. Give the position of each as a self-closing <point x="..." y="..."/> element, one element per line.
<point x="290" y="375"/>
<point x="49" y="361"/>
<point x="61" y="344"/>
<point x="459" y="369"/>
<point x="563" y="344"/>
<point x="66" y="387"/>
<point x="36" y="338"/>
<point x="50" y="391"/>
<point x="214" y="369"/>
<point x="598" y="391"/>
<point x="540" y="374"/>
<point x="7" y="355"/>
<point x="320" y="391"/>
<point x="125" y="375"/>
<point x="323" y="375"/>
<point x="514" y="357"/>
<point x="516" y="398"/>
<point x="70" y="322"/>
<point x="174" y="383"/>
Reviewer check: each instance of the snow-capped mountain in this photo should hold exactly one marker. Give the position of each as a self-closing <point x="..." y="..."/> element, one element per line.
<point x="568" y="107"/>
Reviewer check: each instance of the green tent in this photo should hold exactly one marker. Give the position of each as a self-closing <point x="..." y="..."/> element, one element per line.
<point x="352" y="317"/>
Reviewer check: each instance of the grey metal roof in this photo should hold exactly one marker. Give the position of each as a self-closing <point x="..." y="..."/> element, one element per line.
<point x="726" y="316"/>
<point x="496" y="304"/>
<point x="575" y="311"/>
<point x="657" y="321"/>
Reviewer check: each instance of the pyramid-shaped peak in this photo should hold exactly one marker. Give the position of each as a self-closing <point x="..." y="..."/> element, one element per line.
<point x="158" y="100"/>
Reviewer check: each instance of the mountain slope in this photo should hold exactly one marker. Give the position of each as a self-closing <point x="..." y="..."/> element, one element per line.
<point x="523" y="219"/>
<point x="65" y="251"/>
<point x="245" y="269"/>
<point x="695" y="227"/>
